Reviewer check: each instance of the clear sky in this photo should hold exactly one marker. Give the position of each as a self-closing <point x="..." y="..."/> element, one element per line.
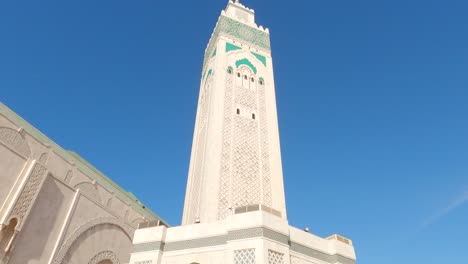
<point x="372" y="103"/>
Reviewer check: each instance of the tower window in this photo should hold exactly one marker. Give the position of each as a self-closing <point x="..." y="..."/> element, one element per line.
<point x="252" y="79"/>
<point x="229" y="70"/>
<point x="238" y="74"/>
<point x="245" y="77"/>
<point x="261" y="82"/>
<point x="253" y="116"/>
<point x="238" y="111"/>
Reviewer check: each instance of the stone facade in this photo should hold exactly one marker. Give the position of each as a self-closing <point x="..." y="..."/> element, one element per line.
<point x="236" y="159"/>
<point x="57" y="208"/>
<point x="256" y="237"/>
<point x="235" y="209"/>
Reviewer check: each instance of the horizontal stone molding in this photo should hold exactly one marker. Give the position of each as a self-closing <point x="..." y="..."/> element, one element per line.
<point x="243" y="234"/>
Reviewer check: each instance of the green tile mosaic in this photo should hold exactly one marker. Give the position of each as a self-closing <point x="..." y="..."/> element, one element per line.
<point x="261" y="58"/>
<point x="231" y="47"/>
<point x="239" y="31"/>
<point x="247" y="63"/>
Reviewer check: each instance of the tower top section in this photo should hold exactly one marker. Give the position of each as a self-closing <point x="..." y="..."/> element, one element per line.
<point x="237" y="23"/>
<point x="241" y="13"/>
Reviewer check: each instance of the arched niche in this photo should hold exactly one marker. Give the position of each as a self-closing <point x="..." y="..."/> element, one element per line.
<point x="15" y="141"/>
<point x="117" y="234"/>
<point x="105" y="257"/>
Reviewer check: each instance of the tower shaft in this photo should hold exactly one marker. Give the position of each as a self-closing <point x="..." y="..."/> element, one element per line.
<point x="235" y="162"/>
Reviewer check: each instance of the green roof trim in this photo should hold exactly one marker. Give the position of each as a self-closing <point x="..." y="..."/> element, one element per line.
<point x="260" y="58"/>
<point x="81" y="164"/>
<point x="214" y="53"/>
<point x="246" y="62"/>
<point x="231" y="47"/>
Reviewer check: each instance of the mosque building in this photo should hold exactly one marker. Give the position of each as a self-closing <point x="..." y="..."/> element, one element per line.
<point x="235" y="210"/>
<point x="56" y="208"/>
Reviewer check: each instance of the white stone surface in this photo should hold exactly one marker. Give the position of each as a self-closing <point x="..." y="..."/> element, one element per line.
<point x="62" y="213"/>
<point x="235" y="159"/>
<point x="201" y="243"/>
<point x="236" y="163"/>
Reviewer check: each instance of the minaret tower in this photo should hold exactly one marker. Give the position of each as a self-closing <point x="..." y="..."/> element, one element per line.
<point x="235" y="209"/>
<point x="235" y="161"/>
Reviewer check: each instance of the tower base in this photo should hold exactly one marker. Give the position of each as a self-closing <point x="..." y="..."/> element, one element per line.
<point x="248" y="238"/>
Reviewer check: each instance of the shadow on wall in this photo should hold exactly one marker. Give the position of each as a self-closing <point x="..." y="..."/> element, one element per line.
<point x="39" y="227"/>
<point x="6" y="238"/>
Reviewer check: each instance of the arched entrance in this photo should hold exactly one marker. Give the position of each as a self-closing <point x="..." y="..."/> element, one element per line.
<point x="105" y="257"/>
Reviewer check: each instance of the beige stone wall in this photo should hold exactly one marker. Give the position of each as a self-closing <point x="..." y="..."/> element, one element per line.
<point x="52" y="210"/>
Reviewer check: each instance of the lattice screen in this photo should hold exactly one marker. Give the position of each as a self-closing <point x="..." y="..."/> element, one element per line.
<point x="275" y="257"/>
<point x="244" y="256"/>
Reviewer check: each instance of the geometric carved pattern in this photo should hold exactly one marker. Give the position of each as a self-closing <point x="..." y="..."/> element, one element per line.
<point x="275" y="257"/>
<point x="225" y="173"/>
<point x="245" y="174"/>
<point x="246" y="97"/>
<point x="69" y="242"/>
<point x="29" y="192"/>
<point x="90" y="190"/>
<point x="245" y="163"/>
<point x="245" y="157"/>
<point x="244" y="256"/>
<point x="68" y="177"/>
<point x="239" y="32"/>
<point x="105" y="255"/>
<point x="43" y="159"/>
<point x="15" y="141"/>
<point x="265" y="156"/>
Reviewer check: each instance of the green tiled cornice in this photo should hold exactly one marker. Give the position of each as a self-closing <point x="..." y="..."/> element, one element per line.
<point x="151" y="246"/>
<point x="240" y="31"/>
<point x="81" y="164"/>
<point x="196" y="243"/>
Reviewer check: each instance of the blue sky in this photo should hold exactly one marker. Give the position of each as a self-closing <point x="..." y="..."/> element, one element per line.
<point x="372" y="104"/>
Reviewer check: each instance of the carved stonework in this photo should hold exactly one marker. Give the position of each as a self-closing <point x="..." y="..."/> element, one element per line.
<point x="245" y="149"/>
<point x="29" y="192"/>
<point x="244" y="256"/>
<point x="89" y="190"/>
<point x="43" y="159"/>
<point x="105" y="255"/>
<point x="275" y="257"/>
<point x="245" y="163"/>
<point x="225" y="174"/>
<point x="67" y="245"/>
<point x="15" y="141"/>
<point x="264" y="147"/>
<point x="69" y="176"/>
<point x="238" y="32"/>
